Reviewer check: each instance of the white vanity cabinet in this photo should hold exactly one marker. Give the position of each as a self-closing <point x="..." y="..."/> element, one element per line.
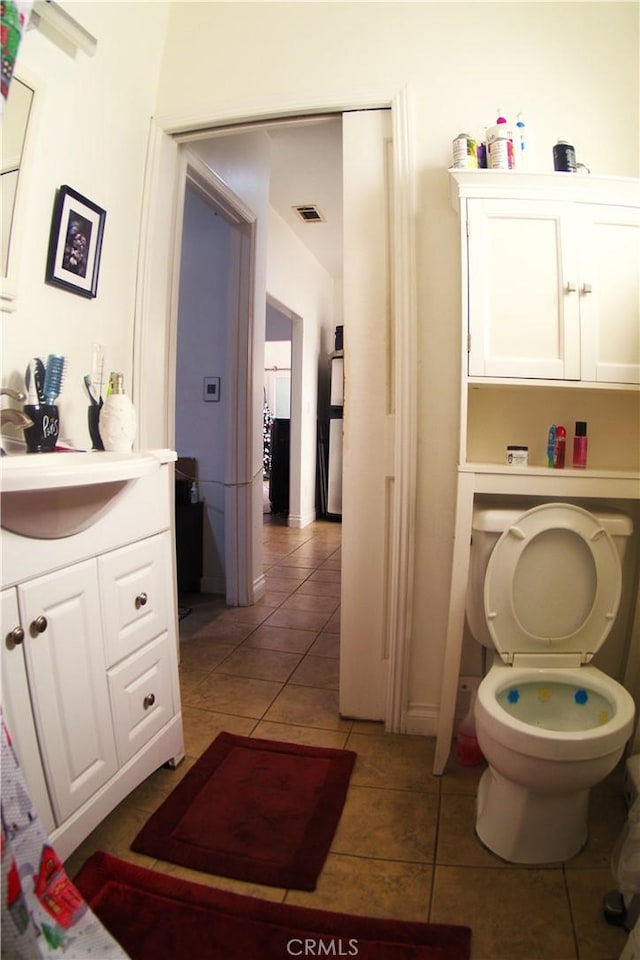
<point x="551" y="281"/>
<point x="64" y="658"/>
<point x="90" y="688"/>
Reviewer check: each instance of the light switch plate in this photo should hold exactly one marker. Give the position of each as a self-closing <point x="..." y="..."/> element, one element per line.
<point x="211" y="389"/>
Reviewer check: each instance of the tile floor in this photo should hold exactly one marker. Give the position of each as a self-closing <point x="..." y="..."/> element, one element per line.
<point x="405" y="846"/>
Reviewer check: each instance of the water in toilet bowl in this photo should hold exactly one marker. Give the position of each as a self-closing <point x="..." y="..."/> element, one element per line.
<point x="555" y="706"/>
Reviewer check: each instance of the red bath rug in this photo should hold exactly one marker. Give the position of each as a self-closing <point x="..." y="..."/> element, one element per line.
<point x="154" y="915"/>
<point x="257" y="810"/>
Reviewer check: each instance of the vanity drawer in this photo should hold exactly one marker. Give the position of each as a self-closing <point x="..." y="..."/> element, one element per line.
<point x="141" y="697"/>
<point x="133" y="582"/>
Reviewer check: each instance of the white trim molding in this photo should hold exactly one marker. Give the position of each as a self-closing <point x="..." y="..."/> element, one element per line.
<point x="402" y="545"/>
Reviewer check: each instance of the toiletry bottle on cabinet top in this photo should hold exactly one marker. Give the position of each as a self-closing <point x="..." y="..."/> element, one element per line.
<point x="580" y="442"/>
<point x="560" y="448"/>
<point x="117" y="418"/>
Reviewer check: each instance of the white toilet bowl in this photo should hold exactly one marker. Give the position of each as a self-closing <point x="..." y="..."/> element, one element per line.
<point x="544" y="590"/>
<point x="548" y="736"/>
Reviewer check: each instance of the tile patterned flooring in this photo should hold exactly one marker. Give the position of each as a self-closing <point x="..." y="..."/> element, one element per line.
<point x="405" y="846"/>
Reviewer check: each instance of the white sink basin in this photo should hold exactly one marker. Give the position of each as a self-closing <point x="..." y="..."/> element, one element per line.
<point x="52" y="495"/>
<point x="43" y="471"/>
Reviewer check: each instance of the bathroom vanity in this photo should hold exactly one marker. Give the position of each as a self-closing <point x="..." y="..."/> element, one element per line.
<point x="549" y="335"/>
<point x="90" y="690"/>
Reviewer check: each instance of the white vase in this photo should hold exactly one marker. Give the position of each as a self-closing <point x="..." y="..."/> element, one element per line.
<point x="117" y="423"/>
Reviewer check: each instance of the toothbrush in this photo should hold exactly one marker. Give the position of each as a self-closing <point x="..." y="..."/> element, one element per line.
<point x="97" y="368"/>
<point x="53" y="377"/>
<point x="90" y="390"/>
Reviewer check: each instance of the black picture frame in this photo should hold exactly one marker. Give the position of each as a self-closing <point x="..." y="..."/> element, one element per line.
<point x="75" y="243"/>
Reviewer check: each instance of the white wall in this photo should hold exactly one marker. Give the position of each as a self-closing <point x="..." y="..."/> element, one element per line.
<point x="297" y="281"/>
<point x="572" y="68"/>
<point x="91" y="133"/>
<point x="277" y="377"/>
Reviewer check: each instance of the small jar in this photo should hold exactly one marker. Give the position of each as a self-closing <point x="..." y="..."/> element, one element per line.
<point x="517" y="456"/>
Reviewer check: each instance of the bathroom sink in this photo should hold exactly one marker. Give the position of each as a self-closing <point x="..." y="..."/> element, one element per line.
<point x="52" y="495"/>
<point x="44" y="471"/>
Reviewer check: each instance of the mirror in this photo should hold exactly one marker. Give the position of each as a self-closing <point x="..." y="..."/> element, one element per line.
<point x="15" y="121"/>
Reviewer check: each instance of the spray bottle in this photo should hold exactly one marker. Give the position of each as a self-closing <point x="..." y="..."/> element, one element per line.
<point x="500" y="144"/>
<point x="560" y="448"/>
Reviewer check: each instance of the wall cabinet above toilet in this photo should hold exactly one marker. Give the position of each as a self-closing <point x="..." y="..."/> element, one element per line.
<point x="550" y="276"/>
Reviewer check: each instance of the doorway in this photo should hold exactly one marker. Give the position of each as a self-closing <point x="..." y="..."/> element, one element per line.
<point x="212" y="324"/>
<point x="277" y="399"/>
<point x="159" y="232"/>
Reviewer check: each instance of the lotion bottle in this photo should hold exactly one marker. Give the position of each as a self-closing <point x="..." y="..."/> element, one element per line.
<point x="117" y="423"/>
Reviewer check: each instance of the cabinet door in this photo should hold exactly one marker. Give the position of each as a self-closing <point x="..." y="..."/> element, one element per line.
<point x="16" y="708"/>
<point x="64" y="653"/>
<point x="522" y="281"/>
<point x="609" y="289"/>
<point x="134" y="582"/>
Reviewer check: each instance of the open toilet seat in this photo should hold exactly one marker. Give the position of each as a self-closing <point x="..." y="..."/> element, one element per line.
<point x="562" y="627"/>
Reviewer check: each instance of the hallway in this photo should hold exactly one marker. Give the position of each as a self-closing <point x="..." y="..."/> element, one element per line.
<point x="405" y="846"/>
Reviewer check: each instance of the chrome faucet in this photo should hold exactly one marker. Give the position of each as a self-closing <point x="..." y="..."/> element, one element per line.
<point x="18" y="418"/>
<point x="14" y="394"/>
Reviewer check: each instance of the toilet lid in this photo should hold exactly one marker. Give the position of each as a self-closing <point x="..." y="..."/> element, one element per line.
<point x="552" y="584"/>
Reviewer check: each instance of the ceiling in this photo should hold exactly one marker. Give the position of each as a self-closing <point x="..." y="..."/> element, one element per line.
<point x="306" y="169"/>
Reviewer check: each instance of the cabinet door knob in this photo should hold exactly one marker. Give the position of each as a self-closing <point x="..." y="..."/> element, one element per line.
<point x="141" y="600"/>
<point x="15" y="637"/>
<point x="587" y="288"/>
<point x="149" y="700"/>
<point x="39" y="625"/>
<point x="570" y="286"/>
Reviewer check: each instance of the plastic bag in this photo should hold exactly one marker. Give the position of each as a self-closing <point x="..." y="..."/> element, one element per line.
<point x="625" y="858"/>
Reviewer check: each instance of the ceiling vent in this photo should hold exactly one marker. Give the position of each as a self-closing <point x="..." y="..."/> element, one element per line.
<point x="309" y="213"/>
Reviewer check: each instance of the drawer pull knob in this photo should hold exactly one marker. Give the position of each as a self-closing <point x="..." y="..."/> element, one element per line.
<point x="16" y="636"/>
<point x="141" y="600"/>
<point x="39" y="625"/>
<point x="149" y="700"/>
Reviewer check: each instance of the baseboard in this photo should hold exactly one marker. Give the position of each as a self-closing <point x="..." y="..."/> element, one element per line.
<point x="259" y="587"/>
<point x="422" y="719"/>
<point x="300" y="522"/>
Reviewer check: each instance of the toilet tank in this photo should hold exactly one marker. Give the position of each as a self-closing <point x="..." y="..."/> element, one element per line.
<point x="488" y="524"/>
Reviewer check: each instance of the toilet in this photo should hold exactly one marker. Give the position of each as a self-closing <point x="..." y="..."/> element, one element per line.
<point x="544" y="590"/>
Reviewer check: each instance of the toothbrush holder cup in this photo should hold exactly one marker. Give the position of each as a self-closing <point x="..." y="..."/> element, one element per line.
<point x="43" y="435"/>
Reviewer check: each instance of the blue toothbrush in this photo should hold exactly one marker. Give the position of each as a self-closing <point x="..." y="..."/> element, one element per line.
<point x="53" y="377"/>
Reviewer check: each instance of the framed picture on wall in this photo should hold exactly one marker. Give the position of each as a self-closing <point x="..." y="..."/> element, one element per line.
<point x="75" y="243"/>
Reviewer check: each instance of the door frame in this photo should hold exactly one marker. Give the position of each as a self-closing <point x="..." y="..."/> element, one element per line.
<point x="156" y="303"/>
<point x="239" y="588"/>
